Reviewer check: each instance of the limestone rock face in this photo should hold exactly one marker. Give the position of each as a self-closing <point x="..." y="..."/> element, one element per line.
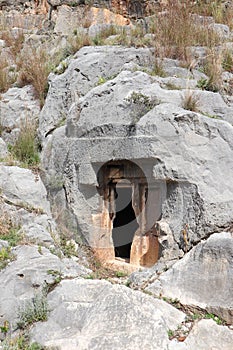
<point x="205" y="334"/>
<point x="89" y="65"/>
<point x="22" y="187"/>
<point x="133" y="117"/>
<point x="94" y="314"/>
<point x="3" y="149"/>
<point x="18" y="107"/>
<point x="70" y="19"/>
<point x="28" y="275"/>
<point x="204" y="277"/>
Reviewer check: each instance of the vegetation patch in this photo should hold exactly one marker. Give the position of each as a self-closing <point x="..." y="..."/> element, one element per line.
<point x="6" y="256"/>
<point x="172" y="38"/>
<point x="140" y="105"/>
<point x="26" y="147"/>
<point x="21" y="342"/>
<point x="33" y="311"/>
<point x="191" y="101"/>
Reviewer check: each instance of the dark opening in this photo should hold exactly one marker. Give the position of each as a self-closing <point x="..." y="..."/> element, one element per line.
<point x="124" y="223"/>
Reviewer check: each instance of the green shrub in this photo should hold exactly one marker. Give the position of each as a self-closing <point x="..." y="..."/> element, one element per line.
<point x="33" y="311"/>
<point x="20" y="342"/>
<point x="5" y="257"/>
<point x="25" y="148"/>
<point x="140" y="105"/>
<point x="12" y="237"/>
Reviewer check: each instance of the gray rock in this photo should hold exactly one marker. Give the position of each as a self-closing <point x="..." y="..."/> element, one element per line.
<point x="177" y="150"/>
<point x="66" y="2"/>
<point x="88" y="66"/>
<point x="23" y="188"/>
<point x="204" y="277"/>
<point x="94" y="314"/>
<point x="205" y="334"/>
<point x="18" y="106"/>
<point x="37" y="234"/>
<point x="221" y="29"/>
<point x="3" y="149"/>
<point x="32" y="270"/>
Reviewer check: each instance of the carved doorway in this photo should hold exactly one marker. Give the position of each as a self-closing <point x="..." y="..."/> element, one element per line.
<point x="123" y="188"/>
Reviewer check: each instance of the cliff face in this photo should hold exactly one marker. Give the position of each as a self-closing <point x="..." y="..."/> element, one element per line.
<point x="133" y="8"/>
<point x="134" y="161"/>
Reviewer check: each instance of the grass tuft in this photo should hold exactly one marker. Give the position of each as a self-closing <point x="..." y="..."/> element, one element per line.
<point x="25" y="148"/>
<point x="190" y="101"/>
<point x="34" y="68"/>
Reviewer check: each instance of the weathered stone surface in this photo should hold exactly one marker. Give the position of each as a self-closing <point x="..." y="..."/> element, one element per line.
<point x="38" y="234"/>
<point x="28" y="274"/>
<point x="204" y="277"/>
<point x="131" y="117"/>
<point x="205" y="334"/>
<point x="75" y="18"/>
<point x="88" y="314"/>
<point x="23" y="188"/>
<point x="18" y="106"/>
<point x="221" y="29"/>
<point x="3" y="149"/>
<point x="84" y="71"/>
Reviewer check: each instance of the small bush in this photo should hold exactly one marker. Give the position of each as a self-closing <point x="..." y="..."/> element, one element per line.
<point x="227" y="62"/>
<point x="158" y="68"/>
<point x="12" y="237"/>
<point x="76" y="42"/>
<point x="20" y="342"/>
<point x="34" y="68"/>
<point x="213" y="69"/>
<point x="6" y="256"/>
<point x="25" y="148"/>
<point x="33" y="311"/>
<point x="190" y="101"/>
<point x="140" y="105"/>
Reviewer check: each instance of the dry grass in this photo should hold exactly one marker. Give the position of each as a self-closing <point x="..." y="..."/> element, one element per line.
<point x="4" y="76"/>
<point x="176" y="29"/>
<point x="76" y="42"/>
<point x="220" y="12"/>
<point x="13" y="41"/>
<point x="227" y="61"/>
<point x="213" y="69"/>
<point x="190" y="101"/>
<point x="34" y="68"/>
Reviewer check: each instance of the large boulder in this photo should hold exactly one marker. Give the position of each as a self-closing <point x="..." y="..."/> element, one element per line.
<point x="18" y="108"/>
<point x="32" y="271"/>
<point x="132" y="118"/>
<point x="88" y="314"/>
<point x="203" y="278"/>
<point x="23" y="188"/>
